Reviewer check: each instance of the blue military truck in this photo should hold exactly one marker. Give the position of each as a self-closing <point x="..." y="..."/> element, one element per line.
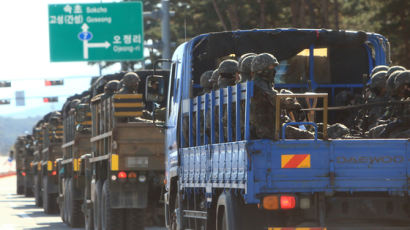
<point x="219" y="177"/>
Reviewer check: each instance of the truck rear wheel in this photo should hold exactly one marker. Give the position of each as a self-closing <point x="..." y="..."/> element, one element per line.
<point x="20" y="188"/>
<point x="97" y="205"/>
<point x="134" y="219"/>
<point x="37" y="191"/>
<point x="28" y="191"/>
<point x="49" y="199"/>
<point x="77" y="218"/>
<point x="111" y="218"/>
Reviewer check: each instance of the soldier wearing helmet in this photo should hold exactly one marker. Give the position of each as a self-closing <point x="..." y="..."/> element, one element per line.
<point x="228" y="69"/>
<point x="402" y="84"/>
<point x="374" y="114"/>
<point x="378" y="83"/>
<point x="245" y="67"/>
<point x="206" y="82"/>
<point x="390" y="82"/>
<point x="130" y="83"/>
<point x="110" y="88"/>
<point x="262" y="117"/>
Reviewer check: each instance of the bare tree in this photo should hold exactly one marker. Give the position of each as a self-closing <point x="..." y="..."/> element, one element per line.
<point x="262" y="6"/>
<point x="218" y="12"/>
<point x="325" y="13"/>
<point x="232" y="12"/>
<point x="336" y="14"/>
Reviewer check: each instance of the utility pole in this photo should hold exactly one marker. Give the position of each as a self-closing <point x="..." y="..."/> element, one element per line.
<point x="163" y="14"/>
<point x="165" y="32"/>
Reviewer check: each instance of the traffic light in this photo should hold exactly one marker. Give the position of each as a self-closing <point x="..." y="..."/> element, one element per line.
<point x="50" y="99"/>
<point x="4" y="101"/>
<point x="54" y="82"/>
<point x="5" y="84"/>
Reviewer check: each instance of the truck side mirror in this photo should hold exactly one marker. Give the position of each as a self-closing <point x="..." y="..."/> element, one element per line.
<point x="154" y="88"/>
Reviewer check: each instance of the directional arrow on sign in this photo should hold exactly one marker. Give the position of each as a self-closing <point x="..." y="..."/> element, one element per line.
<point x="85" y="36"/>
<point x="97" y="45"/>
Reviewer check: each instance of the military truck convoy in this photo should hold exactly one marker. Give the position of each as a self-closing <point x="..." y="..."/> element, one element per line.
<point x="99" y="161"/>
<point x="232" y="156"/>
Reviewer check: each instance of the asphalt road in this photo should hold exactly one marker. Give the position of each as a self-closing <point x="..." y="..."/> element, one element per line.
<point x="19" y="212"/>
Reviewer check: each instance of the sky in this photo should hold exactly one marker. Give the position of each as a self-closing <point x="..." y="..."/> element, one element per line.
<point x="25" y="61"/>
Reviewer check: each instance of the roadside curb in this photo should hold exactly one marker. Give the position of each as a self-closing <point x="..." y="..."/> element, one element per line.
<point x="7" y="174"/>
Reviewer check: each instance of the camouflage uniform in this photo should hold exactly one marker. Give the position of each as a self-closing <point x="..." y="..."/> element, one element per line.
<point x="227" y="77"/>
<point x="262" y="113"/>
<point x="378" y="89"/>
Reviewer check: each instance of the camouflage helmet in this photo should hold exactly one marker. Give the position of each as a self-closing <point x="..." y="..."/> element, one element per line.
<point x="378" y="80"/>
<point x="240" y="60"/>
<point x="74" y="103"/>
<point x="205" y="80"/>
<point x="245" y="67"/>
<point x="214" y="78"/>
<point x="228" y="66"/>
<point x="379" y="68"/>
<point x="392" y="69"/>
<point x="390" y="81"/>
<point x="337" y="130"/>
<point x="263" y="62"/>
<point x="402" y="78"/>
<point x="111" y="86"/>
<point x="131" y="80"/>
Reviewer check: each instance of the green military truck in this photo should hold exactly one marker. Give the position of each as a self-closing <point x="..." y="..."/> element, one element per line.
<point x="52" y="130"/>
<point x="36" y="163"/>
<point x="18" y="151"/>
<point x="27" y="171"/>
<point x="76" y="143"/>
<point x="125" y="170"/>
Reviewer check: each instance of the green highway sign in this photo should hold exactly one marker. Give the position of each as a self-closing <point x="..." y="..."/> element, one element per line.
<point x="96" y="32"/>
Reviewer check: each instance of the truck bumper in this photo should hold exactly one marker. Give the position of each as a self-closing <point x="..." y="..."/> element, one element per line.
<point x="129" y="195"/>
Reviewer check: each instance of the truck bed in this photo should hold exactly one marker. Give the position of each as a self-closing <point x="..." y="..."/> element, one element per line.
<point x="265" y="166"/>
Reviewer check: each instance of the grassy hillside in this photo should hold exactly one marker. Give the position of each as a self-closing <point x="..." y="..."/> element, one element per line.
<point x="11" y="128"/>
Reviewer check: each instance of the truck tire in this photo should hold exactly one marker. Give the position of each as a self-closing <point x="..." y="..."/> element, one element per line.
<point x="97" y="205"/>
<point x="37" y="191"/>
<point x="49" y="199"/>
<point x="227" y="214"/>
<point x="111" y="219"/>
<point x="76" y="216"/>
<point x="28" y="191"/>
<point x="20" y="188"/>
<point x="88" y="212"/>
<point x="65" y="201"/>
<point x="68" y="202"/>
<point x="134" y="219"/>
